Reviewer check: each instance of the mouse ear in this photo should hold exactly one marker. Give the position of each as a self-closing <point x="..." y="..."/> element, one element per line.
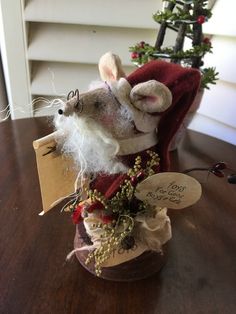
<point x="151" y="96"/>
<point x="110" y="67"/>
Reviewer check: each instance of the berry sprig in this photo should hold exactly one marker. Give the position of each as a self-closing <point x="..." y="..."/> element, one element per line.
<point x="217" y="170"/>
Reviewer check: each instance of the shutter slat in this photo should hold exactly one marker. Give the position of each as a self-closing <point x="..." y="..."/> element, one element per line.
<point x="84" y="44"/>
<point x="120" y="13"/>
<point x="55" y="79"/>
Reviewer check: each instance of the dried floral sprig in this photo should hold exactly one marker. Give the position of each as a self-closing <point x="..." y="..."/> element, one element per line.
<point x="119" y="211"/>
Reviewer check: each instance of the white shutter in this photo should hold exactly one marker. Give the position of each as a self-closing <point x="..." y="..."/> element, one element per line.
<point x="50" y="47"/>
<point x="62" y="41"/>
<point x="217" y="113"/>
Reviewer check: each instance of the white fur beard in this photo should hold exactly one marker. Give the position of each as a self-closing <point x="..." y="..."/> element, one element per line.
<point x="92" y="148"/>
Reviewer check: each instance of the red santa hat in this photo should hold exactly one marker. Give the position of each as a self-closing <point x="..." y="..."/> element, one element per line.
<point x="183" y="84"/>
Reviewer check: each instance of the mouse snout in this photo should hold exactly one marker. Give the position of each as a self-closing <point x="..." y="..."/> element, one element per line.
<point x="69" y="108"/>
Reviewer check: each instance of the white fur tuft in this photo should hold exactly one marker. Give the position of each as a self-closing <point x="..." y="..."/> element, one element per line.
<point x="93" y="149"/>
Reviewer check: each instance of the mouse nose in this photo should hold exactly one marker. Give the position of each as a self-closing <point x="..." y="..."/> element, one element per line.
<point x="60" y="111"/>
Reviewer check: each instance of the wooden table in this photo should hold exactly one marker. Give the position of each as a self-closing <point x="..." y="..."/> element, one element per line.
<point x="199" y="277"/>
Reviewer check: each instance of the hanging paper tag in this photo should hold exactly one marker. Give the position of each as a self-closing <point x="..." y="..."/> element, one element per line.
<point x="56" y="172"/>
<point x="169" y="189"/>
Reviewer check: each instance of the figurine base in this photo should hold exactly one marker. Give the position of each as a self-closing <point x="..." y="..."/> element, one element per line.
<point x="143" y="266"/>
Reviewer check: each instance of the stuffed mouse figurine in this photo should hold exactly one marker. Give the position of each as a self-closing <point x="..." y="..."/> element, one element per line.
<point x="105" y="128"/>
<point x="116" y="133"/>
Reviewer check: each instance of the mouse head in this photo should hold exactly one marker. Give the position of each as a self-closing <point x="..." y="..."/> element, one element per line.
<point x="93" y="124"/>
<point x="116" y="104"/>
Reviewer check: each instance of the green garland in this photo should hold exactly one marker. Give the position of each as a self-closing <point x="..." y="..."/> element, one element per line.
<point x="178" y="17"/>
<point x="145" y="53"/>
<point x="186" y="16"/>
<point x="149" y="51"/>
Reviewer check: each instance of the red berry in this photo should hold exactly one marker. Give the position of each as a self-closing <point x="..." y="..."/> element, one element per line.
<point x="207" y="41"/>
<point x="219" y="166"/>
<point x="201" y="19"/>
<point x="218" y="173"/>
<point x="133" y="180"/>
<point x="142" y="44"/>
<point x="140" y="175"/>
<point x="134" y="55"/>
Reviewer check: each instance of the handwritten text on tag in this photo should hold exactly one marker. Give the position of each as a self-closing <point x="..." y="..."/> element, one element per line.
<point x="169" y="189"/>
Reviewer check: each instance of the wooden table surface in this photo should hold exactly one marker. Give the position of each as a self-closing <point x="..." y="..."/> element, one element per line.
<point x="200" y="274"/>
